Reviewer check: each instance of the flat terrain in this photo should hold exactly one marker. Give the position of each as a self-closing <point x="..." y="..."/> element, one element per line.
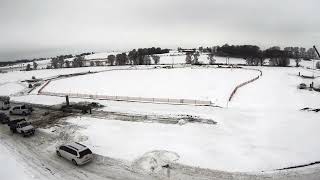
<point x="211" y="84"/>
<point x="262" y="129"/>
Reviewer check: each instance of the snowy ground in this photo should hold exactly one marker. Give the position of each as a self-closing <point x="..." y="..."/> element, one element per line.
<point x="262" y="129"/>
<point x="180" y="83"/>
<point x="262" y="132"/>
<point x="10" y="83"/>
<point x="12" y="88"/>
<point x="13" y="169"/>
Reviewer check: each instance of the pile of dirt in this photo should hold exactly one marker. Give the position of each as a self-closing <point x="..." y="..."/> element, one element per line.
<point x="47" y="118"/>
<point x="156" y="161"/>
<point x="193" y="119"/>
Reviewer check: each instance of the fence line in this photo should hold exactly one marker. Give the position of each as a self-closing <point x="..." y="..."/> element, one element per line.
<point x="122" y="98"/>
<point x="245" y="83"/>
<point x="131" y="99"/>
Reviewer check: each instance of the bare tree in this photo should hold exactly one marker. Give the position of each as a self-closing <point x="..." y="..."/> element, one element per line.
<point x="318" y="65"/>
<point x="196" y="56"/>
<point x="297" y="55"/>
<point x="67" y="63"/>
<point x="188" y="58"/>
<point x="54" y="63"/>
<point x="111" y="58"/>
<point x="211" y="58"/>
<point x="35" y="65"/>
<point x="28" y="68"/>
<point x="147" y="60"/>
<point x="78" y="61"/>
<point x="156" y="59"/>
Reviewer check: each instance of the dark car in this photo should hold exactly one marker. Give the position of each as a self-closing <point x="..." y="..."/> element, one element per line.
<point x="4" y="119"/>
<point x="302" y="86"/>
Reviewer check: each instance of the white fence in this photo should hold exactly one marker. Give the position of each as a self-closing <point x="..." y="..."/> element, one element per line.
<point x="131" y="99"/>
<point x="245" y="83"/>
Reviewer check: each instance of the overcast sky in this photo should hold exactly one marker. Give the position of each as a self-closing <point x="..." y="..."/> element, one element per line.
<point x="33" y="28"/>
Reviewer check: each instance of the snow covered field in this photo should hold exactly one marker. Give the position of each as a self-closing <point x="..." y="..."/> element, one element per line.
<point x="12" y="169"/>
<point x="182" y="83"/>
<point x="10" y="82"/>
<point x="255" y="133"/>
<point x="8" y="89"/>
<point x="262" y="129"/>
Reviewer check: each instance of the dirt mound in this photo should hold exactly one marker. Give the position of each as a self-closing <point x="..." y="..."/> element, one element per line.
<point x="156" y="161"/>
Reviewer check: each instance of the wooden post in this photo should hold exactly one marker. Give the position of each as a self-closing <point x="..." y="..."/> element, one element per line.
<point x="67" y="100"/>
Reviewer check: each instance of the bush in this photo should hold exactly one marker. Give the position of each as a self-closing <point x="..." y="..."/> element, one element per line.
<point x="318" y="65"/>
<point x="280" y="61"/>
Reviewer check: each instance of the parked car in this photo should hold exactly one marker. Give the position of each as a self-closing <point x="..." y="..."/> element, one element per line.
<point x="4" y="102"/>
<point x="302" y="86"/>
<point x="78" y="153"/>
<point x="22" y="127"/>
<point x="4" y="119"/>
<point x="20" y="110"/>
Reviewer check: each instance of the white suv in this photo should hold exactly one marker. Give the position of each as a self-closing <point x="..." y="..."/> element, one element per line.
<point x="77" y="153"/>
<point x="20" y="110"/>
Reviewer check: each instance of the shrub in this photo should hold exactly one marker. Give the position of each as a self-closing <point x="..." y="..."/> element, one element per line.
<point x="318" y="65"/>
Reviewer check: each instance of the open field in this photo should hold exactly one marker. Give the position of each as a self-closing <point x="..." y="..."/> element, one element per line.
<point x="262" y="129"/>
<point x="214" y="85"/>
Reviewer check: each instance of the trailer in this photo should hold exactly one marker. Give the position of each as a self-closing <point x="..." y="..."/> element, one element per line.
<point x="5" y="102"/>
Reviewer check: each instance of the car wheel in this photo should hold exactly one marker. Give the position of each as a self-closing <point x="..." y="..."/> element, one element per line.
<point x="58" y="153"/>
<point x="74" y="162"/>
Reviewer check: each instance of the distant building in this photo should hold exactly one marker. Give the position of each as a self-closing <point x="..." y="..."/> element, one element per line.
<point x="187" y="50"/>
<point x="95" y="62"/>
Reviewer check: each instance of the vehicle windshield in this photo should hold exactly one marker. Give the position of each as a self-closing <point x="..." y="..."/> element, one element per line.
<point x="84" y="152"/>
<point x="24" y="124"/>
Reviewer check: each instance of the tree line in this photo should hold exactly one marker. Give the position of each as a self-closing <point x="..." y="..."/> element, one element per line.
<point x="141" y="56"/>
<point x="255" y="56"/>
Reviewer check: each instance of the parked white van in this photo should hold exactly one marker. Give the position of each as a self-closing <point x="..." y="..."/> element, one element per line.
<point x="77" y="153"/>
<point x="20" y="110"/>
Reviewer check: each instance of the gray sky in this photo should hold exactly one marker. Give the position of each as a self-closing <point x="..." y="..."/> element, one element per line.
<point x="33" y="28"/>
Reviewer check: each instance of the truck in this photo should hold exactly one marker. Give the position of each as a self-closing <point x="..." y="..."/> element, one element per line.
<point x="22" y="127"/>
<point x="5" y="102"/>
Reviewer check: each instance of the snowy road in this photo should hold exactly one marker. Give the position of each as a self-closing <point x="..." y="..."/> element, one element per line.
<point x="36" y="159"/>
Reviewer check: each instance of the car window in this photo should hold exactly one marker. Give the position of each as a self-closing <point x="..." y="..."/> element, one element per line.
<point x="67" y="149"/>
<point x="73" y="152"/>
<point x="24" y="124"/>
<point x="84" y="152"/>
<point x="63" y="148"/>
